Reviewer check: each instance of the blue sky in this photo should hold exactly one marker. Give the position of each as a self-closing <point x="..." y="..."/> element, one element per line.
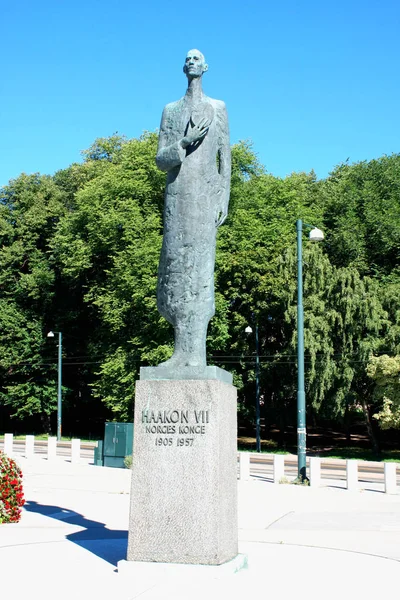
<point x="311" y="83"/>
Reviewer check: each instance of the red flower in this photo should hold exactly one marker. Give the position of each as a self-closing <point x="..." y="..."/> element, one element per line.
<point x="11" y="492"/>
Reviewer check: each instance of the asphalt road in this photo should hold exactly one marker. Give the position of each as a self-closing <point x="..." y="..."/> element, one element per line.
<point x="261" y="466"/>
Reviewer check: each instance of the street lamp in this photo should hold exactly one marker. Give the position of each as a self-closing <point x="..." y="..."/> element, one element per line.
<point x="316" y="235"/>
<point x="258" y="438"/>
<point x="51" y="335"/>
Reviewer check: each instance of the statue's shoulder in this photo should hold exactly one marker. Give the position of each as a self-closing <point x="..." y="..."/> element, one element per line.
<point x="219" y="105"/>
<point x="221" y="118"/>
<point x="172" y="107"/>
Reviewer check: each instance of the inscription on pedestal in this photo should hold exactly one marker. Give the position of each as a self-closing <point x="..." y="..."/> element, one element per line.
<point x="167" y="426"/>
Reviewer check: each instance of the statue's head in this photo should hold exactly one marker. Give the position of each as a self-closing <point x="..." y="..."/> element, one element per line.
<point x="195" y="64"/>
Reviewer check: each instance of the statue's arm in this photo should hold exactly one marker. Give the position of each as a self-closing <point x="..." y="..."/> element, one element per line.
<point x="168" y="155"/>
<point x="224" y="156"/>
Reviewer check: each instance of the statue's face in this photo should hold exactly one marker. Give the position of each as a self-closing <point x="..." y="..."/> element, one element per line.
<point x="195" y="64"/>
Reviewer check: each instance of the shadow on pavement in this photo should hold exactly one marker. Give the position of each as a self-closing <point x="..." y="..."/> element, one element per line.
<point x="108" y="544"/>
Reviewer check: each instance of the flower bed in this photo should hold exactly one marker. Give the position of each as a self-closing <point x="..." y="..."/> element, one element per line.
<point x="11" y="492"/>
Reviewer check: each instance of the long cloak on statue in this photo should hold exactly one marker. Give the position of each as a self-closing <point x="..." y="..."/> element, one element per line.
<point x="197" y="189"/>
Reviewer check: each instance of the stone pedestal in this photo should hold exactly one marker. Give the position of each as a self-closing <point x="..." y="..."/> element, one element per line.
<point x="75" y="451"/>
<point x="244" y="466"/>
<point x="315" y="471"/>
<point x="279" y="467"/>
<point x="8" y="444"/>
<point x="390" y="473"/>
<point x="29" y="446"/>
<point x="51" y="448"/>
<point x="352" y="474"/>
<point x="184" y="473"/>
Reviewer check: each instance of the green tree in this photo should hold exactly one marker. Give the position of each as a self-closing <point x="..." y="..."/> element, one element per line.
<point x="79" y="254"/>
<point x="30" y="208"/>
<point x="362" y="213"/>
<point x="385" y="372"/>
<point x="260" y="226"/>
<point x="109" y="246"/>
<point x="343" y="325"/>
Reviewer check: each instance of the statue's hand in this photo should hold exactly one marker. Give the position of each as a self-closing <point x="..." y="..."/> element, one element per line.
<point x="195" y="133"/>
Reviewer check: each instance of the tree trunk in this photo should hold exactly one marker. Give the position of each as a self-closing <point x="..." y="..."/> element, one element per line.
<point x="347" y="425"/>
<point x="370" y="430"/>
<point x="267" y="415"/>
<point x="282" y="426"/>
<point x="46" y="424"/>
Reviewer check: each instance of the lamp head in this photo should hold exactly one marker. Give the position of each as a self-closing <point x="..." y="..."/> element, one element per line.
<point x="316" y="235"/>
<point x="248" y="329"/>
<point x="50" y="334"/>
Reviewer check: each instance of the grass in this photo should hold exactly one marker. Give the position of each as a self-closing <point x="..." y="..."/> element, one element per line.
<point x="360" y="454"/>
<point x="248" y="444"/>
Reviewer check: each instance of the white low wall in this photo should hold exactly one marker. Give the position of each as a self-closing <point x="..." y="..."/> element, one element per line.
<point x="315" y="470"/>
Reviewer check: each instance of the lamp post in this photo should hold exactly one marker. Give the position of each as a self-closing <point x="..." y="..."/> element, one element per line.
<point x="59" y="406"/>
<point x="258" y="437"/>
<point x="316" y="235"/>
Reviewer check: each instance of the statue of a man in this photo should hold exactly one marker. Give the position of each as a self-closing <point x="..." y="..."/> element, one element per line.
<point x="194" y="150"/>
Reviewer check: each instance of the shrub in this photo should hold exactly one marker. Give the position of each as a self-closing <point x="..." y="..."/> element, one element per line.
<point x="296" y="481"/>
<point x="11" y="493"/>
<point x="128" y="461"/>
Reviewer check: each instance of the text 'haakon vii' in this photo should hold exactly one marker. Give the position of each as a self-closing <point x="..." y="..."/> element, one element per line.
<point x="175" y="416"/>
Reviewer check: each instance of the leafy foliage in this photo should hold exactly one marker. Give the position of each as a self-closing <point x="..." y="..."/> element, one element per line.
<point x="385" y="371"/>
<point x="79" y="254"/>
<point x="362" y="212"/>
<point x="30" y="208"/>
<point x="109" y="246"/>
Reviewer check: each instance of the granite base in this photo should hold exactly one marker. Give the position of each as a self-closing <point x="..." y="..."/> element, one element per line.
<point x="184" y="473"/>
<point x="154" y="572"/>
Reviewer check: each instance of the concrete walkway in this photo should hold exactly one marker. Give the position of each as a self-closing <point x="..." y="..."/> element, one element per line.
<point x="300" y="542"/>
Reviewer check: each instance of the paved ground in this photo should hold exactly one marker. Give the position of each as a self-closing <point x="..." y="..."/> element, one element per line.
<point x="303" y="542"/>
